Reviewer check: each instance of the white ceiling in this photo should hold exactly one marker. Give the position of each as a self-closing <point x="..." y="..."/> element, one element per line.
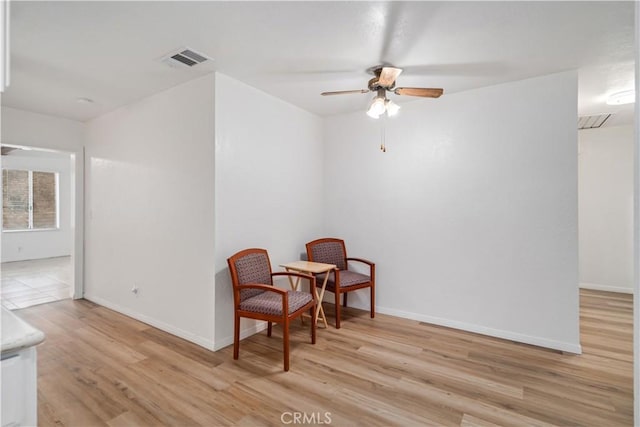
<point x="108" y="51"/>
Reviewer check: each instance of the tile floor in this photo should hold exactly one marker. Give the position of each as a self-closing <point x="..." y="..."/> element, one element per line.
<point x="27" y="283"/>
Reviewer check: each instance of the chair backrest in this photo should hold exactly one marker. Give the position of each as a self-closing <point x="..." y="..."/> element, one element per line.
<point x="328" y="251"/>
<point x="249" y="266"/>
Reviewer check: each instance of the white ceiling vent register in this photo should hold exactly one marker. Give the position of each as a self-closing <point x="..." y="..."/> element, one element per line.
<point x="592" y="122"/>
<point x="184" y="58"/>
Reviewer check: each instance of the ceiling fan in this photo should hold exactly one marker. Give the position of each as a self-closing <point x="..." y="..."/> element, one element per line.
<point x="385" y="80"/>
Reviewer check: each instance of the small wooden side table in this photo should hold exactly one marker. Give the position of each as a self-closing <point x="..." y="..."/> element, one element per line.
<point x="311" y="268"/>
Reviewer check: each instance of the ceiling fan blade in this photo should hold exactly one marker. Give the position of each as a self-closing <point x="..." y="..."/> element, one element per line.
<point x="388" y="76"/>
<point x="419" y="91"/>
<point x="345" y="92"/>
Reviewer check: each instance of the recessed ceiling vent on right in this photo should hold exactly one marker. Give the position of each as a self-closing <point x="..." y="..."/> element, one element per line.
<point x="592" y="122"/>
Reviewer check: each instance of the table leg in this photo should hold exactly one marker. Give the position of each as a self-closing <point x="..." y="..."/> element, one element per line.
<point x="319" y="309"/>
<point x="294" y="287"/>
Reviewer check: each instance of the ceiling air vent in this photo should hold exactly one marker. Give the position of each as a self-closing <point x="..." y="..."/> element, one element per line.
<point x="592" y="122"/>
<point x="184" y="57"/>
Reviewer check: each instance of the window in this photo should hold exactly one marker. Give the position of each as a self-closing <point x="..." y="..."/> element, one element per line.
<point x="29" y="200"/>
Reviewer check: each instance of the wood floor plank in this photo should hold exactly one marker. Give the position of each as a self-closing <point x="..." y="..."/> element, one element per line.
<point x="98" y="368"/>
<point x="471" y="421"/>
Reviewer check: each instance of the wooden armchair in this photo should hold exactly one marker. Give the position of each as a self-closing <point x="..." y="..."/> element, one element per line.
<point x="343" y="280"/>
<point x="255" y="297"/>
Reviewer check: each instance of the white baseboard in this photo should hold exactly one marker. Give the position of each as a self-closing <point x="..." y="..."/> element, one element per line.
<point x="606" y="288"/>
<point x="498" y="333"/>
<point x="261" y="326"/>
<point x="17" y="258"/>
<point x="201" y="341"/>
<point x="245" y="333"/>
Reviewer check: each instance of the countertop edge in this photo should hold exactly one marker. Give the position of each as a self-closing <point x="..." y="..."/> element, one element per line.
<point x="18" y="334"/>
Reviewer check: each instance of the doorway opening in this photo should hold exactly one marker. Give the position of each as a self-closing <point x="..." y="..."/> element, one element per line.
<point x="41" y="200"/>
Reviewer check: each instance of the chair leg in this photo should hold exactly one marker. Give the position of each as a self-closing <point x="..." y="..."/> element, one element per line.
<point x="344" y="299"/>
<point x="285" y="339"/>
<point x="313" y="324"/>
<point x="337" y="305"/>
<point x="236" y="337"/>
<point x="269" y="328"/>
<point x="373" y="301"/>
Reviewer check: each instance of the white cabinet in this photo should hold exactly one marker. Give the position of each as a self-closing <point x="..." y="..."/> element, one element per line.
<point x="19" y="371"/>
<point x="19" y="388"/>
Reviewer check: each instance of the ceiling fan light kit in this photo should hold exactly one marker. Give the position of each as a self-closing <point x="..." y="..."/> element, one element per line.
<point x="383" y="82"/>
<point x="377" y="107"/>
<point x="380" y="104"/>
<point x="392" y="108"/>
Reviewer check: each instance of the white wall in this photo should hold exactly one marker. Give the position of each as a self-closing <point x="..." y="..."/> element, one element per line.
<point x="605" y="165"/>
<point x="26" y="245"/>
<point x="54" y="133"/>
<point x="41" y="131"/>
<point x="471" y="214"/>
<point x="150" y="210"/>
<point x="268" y="185"/>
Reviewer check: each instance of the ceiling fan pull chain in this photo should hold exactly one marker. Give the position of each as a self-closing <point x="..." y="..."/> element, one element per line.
<point x="383" y="147"/>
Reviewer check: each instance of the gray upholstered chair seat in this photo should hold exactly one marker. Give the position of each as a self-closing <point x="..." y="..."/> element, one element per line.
<point x="347" y="278"/>
<point x="271" y="303"/>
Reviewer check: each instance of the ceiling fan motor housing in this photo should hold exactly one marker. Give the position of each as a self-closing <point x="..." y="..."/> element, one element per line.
<point x="374" y="86"/>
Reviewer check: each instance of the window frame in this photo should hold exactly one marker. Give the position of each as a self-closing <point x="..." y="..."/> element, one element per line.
<point x="30" y="202"/>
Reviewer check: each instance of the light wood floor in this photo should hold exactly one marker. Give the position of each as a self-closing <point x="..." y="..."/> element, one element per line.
<point x="101" y="368"/>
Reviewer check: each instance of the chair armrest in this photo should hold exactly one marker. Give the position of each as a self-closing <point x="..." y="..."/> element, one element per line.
<point x="372" y="266"/>
<point x="310" y="278"/>
<point x="267" y="288"/>
<point x="362" y="260"/>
